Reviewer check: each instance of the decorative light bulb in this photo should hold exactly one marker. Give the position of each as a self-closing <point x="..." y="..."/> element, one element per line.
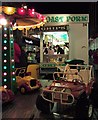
<point x="5" y="67"/>
<point x="5" y="35"/>
<point x="5" y="61"/>
<point x="21" y="11"/>
<point x="4" y="73"/>
<point x="5" y="41"/>
<point x="12" y="60"/>
<point x="5" y="80"/>
<point x="13" y="79"/>
<point x="5" y="48"/>
<point x="5" y="86"/>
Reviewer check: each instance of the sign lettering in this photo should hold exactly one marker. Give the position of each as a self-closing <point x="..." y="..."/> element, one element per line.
<point x="55" y="19"/>
<point x="76" y="18"/>
<point x="67" y="18"/>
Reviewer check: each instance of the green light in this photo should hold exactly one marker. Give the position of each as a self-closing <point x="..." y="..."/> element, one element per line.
<point x="11" y="29"/>
<point x="13" y="79"/>
<point x="5" y="54"/>
<point x="11" y="41"/>
<point x="5" y="80"/>
<point x="5" y="67"/>
<point x="5" y="41"/>
<point x="13" y="66"/>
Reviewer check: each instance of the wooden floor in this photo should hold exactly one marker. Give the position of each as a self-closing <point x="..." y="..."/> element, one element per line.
<point x="24" y="107"/>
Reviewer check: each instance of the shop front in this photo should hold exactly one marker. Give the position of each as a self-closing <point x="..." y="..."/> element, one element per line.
<point x="70" y="30"/>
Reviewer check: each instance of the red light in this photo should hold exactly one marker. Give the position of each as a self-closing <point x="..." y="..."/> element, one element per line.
<point x="39" y="16"/>
<point x="43" y="18"/>
<point x="31" y="12"/>
<point x="21" y="11"/>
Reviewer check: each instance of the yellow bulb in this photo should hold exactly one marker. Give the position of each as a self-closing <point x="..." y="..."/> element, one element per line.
<point x="9" y="10"/>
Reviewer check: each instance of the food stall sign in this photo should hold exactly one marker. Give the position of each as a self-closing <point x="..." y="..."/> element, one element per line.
<point x="66" y="18"/>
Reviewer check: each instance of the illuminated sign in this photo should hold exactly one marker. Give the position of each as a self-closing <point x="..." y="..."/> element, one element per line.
<point x="55" y="19"/>
<point x="77" y="18"/>
<point x="55" y="28"/>
<point x="67" y="18"/>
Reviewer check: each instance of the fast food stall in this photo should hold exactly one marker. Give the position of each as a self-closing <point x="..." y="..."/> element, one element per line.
<point x="75" y="27"/>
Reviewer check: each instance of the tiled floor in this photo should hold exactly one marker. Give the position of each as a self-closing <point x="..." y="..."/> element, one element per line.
<point x="24" y="107"/>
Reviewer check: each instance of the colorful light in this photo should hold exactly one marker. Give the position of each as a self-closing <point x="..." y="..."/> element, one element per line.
<point x="39" y="16"/>
<point x="12" y="60"/>
<point x="5" y="48"/>
<point x="5" y="86"/>
<point x="4" y="73"/>
<point x="9" y="10"/>
<point x="3" y="21"/>
<point x="5" y="41"/>
<point x="5" y="28"/>
<point x="5" y="61"/>
<point x="13" y="79"/>
<point x="4" y="67"/>
<point x="5" y="80"/>
<point x="11" y="41"/>
<point x="13" y="66"/>
<point x="31" y="12"/>
<point x="5" y="54"/>
<point x="21" y="11"/>
<point x="13" y="73"/>
<point x="5" y="35"/>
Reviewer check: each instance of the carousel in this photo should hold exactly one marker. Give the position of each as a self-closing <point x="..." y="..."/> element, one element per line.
<point x="11" y="19"/>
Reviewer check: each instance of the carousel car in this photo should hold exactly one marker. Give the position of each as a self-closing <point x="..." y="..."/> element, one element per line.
<point x="26" y="83"/>
<point x="6" y="95"/>
<point x="71" y="88"/>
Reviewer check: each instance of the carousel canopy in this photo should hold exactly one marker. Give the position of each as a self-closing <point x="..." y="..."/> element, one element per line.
<point x="22" y="17"/>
